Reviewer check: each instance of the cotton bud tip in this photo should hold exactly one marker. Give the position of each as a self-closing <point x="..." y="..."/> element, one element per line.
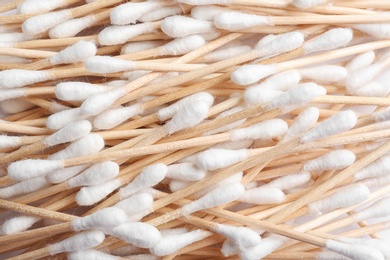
<point x="27" y="169"/>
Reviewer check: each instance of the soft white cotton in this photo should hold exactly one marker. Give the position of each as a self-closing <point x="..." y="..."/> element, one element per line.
<point x="23" y="187"/>
<point x="103" y="219"/>
<point x="31" y="168"/>
<point x="235" y="21"/>
<point x="16" y="78"/>
<point x="265" y="130"/>
<point x="93" y="194"/>
<point x="69" y="133"/>
<point x="71" y="27"/>
<point x="114" y="35"/>
<point x="41" y="23"/>
<point x="137" y="233"/>
<point x="115" y="116"/>
<point x="130" y="12"/>
<point x="263" y="196"/>
<point x="77" y="91"/>
<point x="333" y="160"/>
<point x="214" y="159"/>
<point x="95" y="175"/>
<point x="332" y="39"/>
<point x="180" y="26"/>
<point x="38" y="6"/>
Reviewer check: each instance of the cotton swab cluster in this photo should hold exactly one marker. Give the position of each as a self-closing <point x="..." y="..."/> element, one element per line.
<point x="194" y="129"/>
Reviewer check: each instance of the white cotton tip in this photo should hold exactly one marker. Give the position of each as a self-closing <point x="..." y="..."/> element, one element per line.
<point x="30" y="168"/>
<point x="130" y="12"/>
<point x="183" y="45"/>
<point x="282" y="81"/>
<point x="16" y="78"/>
<point x="360" y="61"/>
<point x="136" y="203"/>
<point x="60" y="119"/>
<point x="235" y="21"/>
<point x="265" y="130"/>
<point x="10" y="141"/>
<point x="89" y="144"/>
<point x="7" y="94"/>
<point x="107" y="64"/>
<point x="207" y="12"/>
<point x="289" y="181"/>
<point x="214" y="159"/>
<point x="377" y="210"/>
<point x="378" y="30"/>
<point x="168" y="112"/>
<point x="372" y="89"/>
<point x="303" y="122"/>
<point x="173" y="231"/>
<point x="161" y="13"/>
<point x="23" y="187"/>
<point x="308" y="3"/>
<point x="69" y="133"/>
<point x="97" y="174"/>
<point x="346" y="197"/>
<point x="92" y="194"/>
<point x="77" y="91"/>
<point x="61" y="175"/>
<point x="226" y="53"/>
<point x="324" y="73"/>
<point x="38" y="6"/>
<point x="329" y="40"/>
<point x="116" y="116"/>
<point x="235" y="178"/>
<point x="375" y="182"/>
<point x="333" y="160"/>
<point x="7" y="39"/>
<point x="18" y="224"/>
<point x="243" y="237"/>
<point x="266" y="247"/>
<point x="103" y="219"/>
<point x="341" y="122"/>
<point x="330" y="255"/>
<point x="91" y="254"/>
<point x="139" y="234"/>
<point x="205" y="2"/>
<point x="180" y="26"/>
<point x="97" y="103"/>
<point x="229" y="248"/>
<point x="257" y="95"/>
<point x="188" y="116"/>
<point x="176" y="185"/>
<point x="114" y="35"/>
<point x="80" y="241"/>
<point x="185" y="172"/>
<point x="282" y="43"/>
<point x="13" y="106"/>
<point x="380" y="244"/>
<point x="263" y="196"/>
<point x="358" y="252"/>
<point x="362" y="76"/>
<point x="378" y="168"/>
<point x="171" y="244"/>
<point x="71" y="27"/>
<point x="75" y="53"/>
<point x="249" y="74"/>
<point x="219" y="196"/>
<point x="41" y="23"/>
<point x="132" y="47"/>
<point x="149" y="177"/>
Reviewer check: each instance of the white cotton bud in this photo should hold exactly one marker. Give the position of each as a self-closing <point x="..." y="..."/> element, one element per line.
<point x="92" y="194"/>
<point x="376" y="210"/>
<point x="362" y="76"/>
<point x="207" y="12"/>
<point x="308" y="3"/>
<point x="115" y="116"/>
<point x="263" y="196"/>
<point x="217" y="197"/>
<point x="371" y="89"/>
<point x="69" y="133"/>
<point x="282" y="43"/>
<point x="257" y="95"/>
<point x="99" y="102"/>
<point x="229" y="248"/>
<point x="378" y="168"/>
<point x="107" y="64"/>
<point x="338" y="123"/>
<point x="243" y="237"/>
<point x="266" y="247"/>
<point x="30" y="168"/>
<point x="358" y="252"/>
<point x="90" y="254"/>
<point x="23" y="187"/>
<point x="333" y="160"/>
<point x="77" y="91"/>
<point x="235" y="21"/>
<point x="289" y="181"/>
<point x="171" y="244"/>
<point x="105" y="218"/>
<point x="80" y="241"/>
<point x="12" y="93"/>
<point x="360" y="61"/>
<point x="9" y="141"/>
<point x="324" y="74"/>
<point x="183" y="45"/>
<point x="149" y="177"/>
<point x="38" y="6"/>
<point x="61" y="175"/>
<point x="379" y="244"/>
<point x="346" y="197"/>
<point x="136" y="203"/>
<point x="249" y="74"/>
<point x="113" y="35"/>
<point x="282" y="81"/>
<point x="71" y="27"/>
<point x="265" y="130"/>
<point x="185" y="172"/>
<point x="60" y="119"/>
<point x="214" y="159"/>
<point x="161" y="13"/>
<point x="330" y="255"/>
<point x="226" y="53"/>
<point x="95" y="175"/>
<point x="180" y="26"/>
<point x="78" y="52"/>
<point x="329" y="40"/>
<point x="16" y="78"/>
<point x="43" y="22"/>
<point x="137" y="233"/>
<point x="18" y="224"/>
<point x="131" y="12"/>
<point x="378" y="30"/>
<point x="132" y="47"/>
<point x="303" y="122"/>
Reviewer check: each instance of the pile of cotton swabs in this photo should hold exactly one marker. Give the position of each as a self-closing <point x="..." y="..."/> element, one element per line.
<point x="194" y="129"/>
